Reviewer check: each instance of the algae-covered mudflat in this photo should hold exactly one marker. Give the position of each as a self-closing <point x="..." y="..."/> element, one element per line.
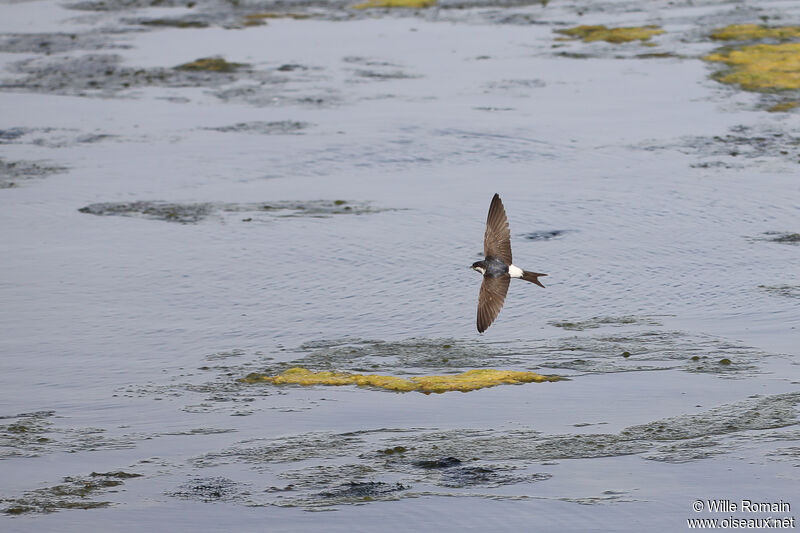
<point x="235" y="240"/>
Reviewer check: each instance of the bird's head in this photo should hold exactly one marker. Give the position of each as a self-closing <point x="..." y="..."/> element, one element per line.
<point x="479" y="267"/>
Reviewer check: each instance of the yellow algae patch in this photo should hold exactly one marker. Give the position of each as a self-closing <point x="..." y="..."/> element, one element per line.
<point x="752" y="32"/>
<point x="413" y="4"/>
<point x="465" y="382"/>
<point x="760" y="67"/>
<point x="477" y="379"/>
<point x="612" y="35"/>
<point x="303" y="376"/>
<point x="257" y="19"/>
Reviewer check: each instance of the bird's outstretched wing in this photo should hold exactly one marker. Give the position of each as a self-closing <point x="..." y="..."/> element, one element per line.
<point x="497" y="241"/>
<point x="490" y="301"/>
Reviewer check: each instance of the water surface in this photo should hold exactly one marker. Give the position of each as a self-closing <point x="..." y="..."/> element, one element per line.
<point x="169" y="231"/>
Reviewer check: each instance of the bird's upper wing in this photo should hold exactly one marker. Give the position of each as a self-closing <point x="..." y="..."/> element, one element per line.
<point x="491" y="298"/>
<point x="497" y="241"/>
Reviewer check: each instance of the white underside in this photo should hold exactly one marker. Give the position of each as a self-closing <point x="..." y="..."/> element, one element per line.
<point x="514" y="271"/>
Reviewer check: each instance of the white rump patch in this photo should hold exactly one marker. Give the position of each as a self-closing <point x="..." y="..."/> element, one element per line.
<point x="514" y="271"/>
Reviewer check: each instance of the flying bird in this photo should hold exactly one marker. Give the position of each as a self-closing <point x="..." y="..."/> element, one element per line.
<point x="497" y="268"/>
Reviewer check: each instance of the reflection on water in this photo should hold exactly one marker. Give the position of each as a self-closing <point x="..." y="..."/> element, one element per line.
<point x="470" y="459"/>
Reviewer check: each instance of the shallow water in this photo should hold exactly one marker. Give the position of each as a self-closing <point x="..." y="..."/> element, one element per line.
<point x="167" y="232"/>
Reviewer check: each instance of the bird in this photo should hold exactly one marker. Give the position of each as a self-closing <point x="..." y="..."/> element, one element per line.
<point x="497" y="268"/>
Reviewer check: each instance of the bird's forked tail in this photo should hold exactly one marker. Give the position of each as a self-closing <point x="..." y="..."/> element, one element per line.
<point x="533" y="277"/>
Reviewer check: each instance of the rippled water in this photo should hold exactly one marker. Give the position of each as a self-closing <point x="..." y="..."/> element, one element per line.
<point x="320" y="207"/>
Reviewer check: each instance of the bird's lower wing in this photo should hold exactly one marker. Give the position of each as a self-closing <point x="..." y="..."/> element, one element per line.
<point x="490" y="301"/>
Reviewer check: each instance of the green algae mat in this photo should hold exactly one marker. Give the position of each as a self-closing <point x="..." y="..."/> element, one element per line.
<point x="625" y="34"/>
<point x="762" y="67"/>
<point x="464" y="382"/>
